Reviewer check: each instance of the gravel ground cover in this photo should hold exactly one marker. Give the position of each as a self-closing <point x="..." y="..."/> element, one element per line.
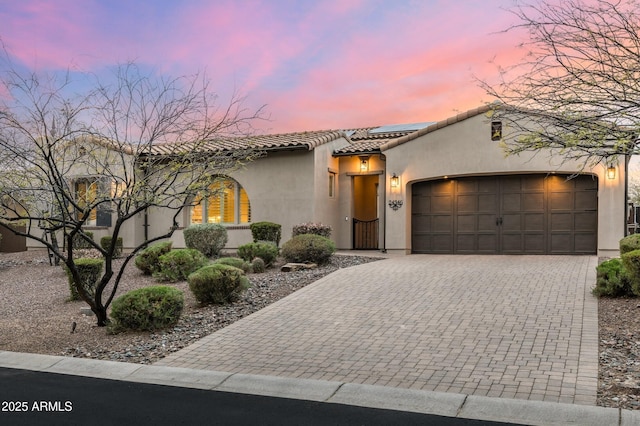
<point x="36" y="317"/>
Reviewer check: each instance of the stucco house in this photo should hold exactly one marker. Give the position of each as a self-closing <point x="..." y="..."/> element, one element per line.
<point x="434" y="187"/>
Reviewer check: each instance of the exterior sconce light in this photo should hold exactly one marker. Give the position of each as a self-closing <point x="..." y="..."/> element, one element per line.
<point x="395" y="181"/>
<point x="364" y="163"/>
<point x="611" y="172"/>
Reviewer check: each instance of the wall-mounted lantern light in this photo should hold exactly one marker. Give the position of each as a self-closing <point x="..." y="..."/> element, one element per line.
<point x="395" y="181"/>
<point x="364" y="163"/>
<point x="611" y="172"/>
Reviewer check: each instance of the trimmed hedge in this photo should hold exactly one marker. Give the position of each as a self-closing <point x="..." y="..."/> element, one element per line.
<point x="148" y="308"/>
<point x="265" y="250"/>
<point x="105" y="243"/>
<point x="312" y="228"/>
<point x="81" y="240"/>
<point x="612" y="279"/>
<point x="217" y="283"/>
<point x="208" y="238"/>
<point x="266" y="231"/>
<point x="631" y="262"/>
<point x="147" y="259"/>
<point x="308" y="248"/>
<point x="629" y="243"/>
<point x="235" y="262"/>
<point x="176" y="265"/>
<point x="90" y="271"/>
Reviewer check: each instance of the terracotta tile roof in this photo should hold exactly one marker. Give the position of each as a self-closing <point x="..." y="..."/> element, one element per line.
<point x="365" y="141"/>
<point x="436" y="126"/>
<point x="299" y="140"/>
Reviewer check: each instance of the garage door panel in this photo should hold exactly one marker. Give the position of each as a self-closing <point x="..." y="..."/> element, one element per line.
<point x="442" y="204"/>
<point x="506" y="214"/>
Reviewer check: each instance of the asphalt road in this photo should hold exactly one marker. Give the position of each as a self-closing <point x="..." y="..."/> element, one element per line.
<point x="37" y="398"/>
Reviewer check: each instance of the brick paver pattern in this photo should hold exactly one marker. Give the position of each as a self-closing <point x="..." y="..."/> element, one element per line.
<point x="502" y="326"/>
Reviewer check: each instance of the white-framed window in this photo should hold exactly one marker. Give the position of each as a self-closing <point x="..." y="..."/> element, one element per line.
<point x="228" y="204"/>
<point x="86" y="192"/>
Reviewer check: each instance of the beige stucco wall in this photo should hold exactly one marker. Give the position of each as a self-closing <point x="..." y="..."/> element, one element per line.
<point x="465" y="149"/>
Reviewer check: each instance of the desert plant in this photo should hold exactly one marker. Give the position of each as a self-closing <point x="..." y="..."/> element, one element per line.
<point x="266" y="231"/>
<point x="312" y="228"/>
<point x="147" y="259"/>
<point x="612" y="279"/>
<point x="258" y="265"/>
<point x="217" y="283"/>
<point x="105" y="243"/>
<point x="236" y="262"/>
<point x="176" y="265"/>
<point x="82" y="241"/>
<point x="207" y="238"/>
<point x="629" y="243"/>
<point x="308" y="248"/>
<point x="148" y="308"/>
<point x="90" y="271"/>
<point x="631" y="262"/>
<point x="266" y="250"/>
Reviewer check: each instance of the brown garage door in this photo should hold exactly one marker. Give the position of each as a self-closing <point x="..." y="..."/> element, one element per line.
<point x="524" y="214"/>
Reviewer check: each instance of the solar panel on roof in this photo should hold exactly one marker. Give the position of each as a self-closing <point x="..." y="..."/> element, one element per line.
<point x="409" y="127"/>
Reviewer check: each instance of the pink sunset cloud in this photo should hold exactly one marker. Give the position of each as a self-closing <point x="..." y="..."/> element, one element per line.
<point x="315" y="64"/>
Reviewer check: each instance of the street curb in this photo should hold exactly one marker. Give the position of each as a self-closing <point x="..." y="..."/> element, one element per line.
<point x="418" y="401"/>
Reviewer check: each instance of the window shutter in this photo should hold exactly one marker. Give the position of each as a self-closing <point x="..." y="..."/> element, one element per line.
<point x="104" y="209"/>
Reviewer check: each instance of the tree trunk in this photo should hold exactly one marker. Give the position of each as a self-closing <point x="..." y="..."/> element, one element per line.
<point x="101" y="315"/>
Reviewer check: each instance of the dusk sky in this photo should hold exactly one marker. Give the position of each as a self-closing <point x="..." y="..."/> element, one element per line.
<point x="323" y="64"/>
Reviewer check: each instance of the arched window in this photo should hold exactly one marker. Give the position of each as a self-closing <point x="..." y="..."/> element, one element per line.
<point x="228" y="203"/>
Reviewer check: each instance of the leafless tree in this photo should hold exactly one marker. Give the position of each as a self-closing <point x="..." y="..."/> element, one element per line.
<point x="76" y="148"/>
<point x="577" y="88"/>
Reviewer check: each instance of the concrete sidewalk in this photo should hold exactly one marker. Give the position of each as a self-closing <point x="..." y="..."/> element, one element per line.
<point x="522" y="327"/>
<point x="439" y="403"/>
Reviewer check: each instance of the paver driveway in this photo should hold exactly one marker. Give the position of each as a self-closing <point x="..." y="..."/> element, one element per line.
<point x="503" y="326"/>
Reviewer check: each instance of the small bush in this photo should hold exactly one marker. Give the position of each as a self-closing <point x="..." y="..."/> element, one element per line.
<point x="82" y="240"/>
<point x="266" y="231"/>
<point x="105" y="243"/>
<point x="612" y="279"/>
<point x="207" y="238"/>
<point x="631" y="262"/>
<point x="148" y="308"/>
<point x="178" y="264"/>
<point x="308" y="248"/>
<point x="258" y="266"/>
<point x="312" y="228"/>
<point x="629" y="243"/>
<point x="236" y="262"/>
<point x="147" y="259"/>
<point x="90" y="271"/>
<point x="265" y="250"/>
<point x="217" y="283"/>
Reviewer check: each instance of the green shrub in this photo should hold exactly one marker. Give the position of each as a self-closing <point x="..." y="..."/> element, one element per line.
<point x="266" y="231"/>
<point x="258" y="266"/>
<point x="82" y="240"/>
<point x="312" y="228"/>
<point x="176" y="265"/>
<point x="629" y="243"/>
<point x="631" y="262"/>
<point x="148" y="308"/>
<point x="147" y="259"/>
<point x="265" y="250"/>
<point x="105" y="243"/>
<point x="236" y="262"/>
<point x="612" y="279"/>
<point x="217" y="283"/>
<point x="308" y="248"/>
<point x="207" y="238"/>
<point x="90" y="271"/>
